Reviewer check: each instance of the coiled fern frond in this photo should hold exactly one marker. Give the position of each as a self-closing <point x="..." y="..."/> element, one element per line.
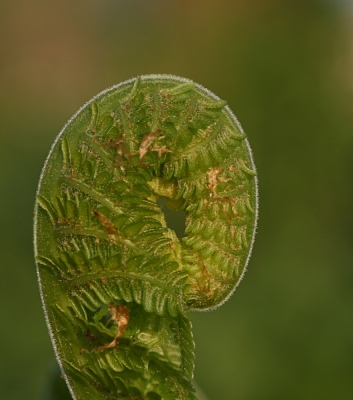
<point x="116" y="279"/>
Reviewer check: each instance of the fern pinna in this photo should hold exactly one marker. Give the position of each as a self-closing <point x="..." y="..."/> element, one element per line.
<point x="116" y="281"/>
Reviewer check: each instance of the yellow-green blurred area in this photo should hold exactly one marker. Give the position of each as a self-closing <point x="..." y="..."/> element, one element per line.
<point x="286" y="69"/>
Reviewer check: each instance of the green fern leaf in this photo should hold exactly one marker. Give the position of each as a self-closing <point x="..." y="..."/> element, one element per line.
<point x="116" y="280"/>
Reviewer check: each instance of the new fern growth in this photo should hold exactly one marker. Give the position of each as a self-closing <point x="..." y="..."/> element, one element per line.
<point x="116" y="281"/>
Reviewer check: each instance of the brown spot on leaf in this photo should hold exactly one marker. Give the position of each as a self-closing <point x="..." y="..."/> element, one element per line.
<point x="212" y="179"/>
<point x="108" y="225"/>
<point x="120" y="316"/>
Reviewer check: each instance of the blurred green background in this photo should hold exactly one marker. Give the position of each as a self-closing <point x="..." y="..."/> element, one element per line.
<point x="286" y="69"/>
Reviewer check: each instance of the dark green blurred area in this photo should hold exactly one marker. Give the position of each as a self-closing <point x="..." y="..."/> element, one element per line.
<point x="286" y="69"/>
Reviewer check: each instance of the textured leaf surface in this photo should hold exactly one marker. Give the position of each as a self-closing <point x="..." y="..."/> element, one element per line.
<point x="102" y="242"/>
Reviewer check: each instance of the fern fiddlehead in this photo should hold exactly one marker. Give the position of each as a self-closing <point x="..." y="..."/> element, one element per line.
<point x="116" y="281"/>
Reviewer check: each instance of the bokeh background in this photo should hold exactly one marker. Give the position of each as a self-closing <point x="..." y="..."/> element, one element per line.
<point x="286" y="69"/>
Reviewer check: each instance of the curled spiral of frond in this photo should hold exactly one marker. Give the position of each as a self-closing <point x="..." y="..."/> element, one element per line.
<point x="116" y="281"/>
